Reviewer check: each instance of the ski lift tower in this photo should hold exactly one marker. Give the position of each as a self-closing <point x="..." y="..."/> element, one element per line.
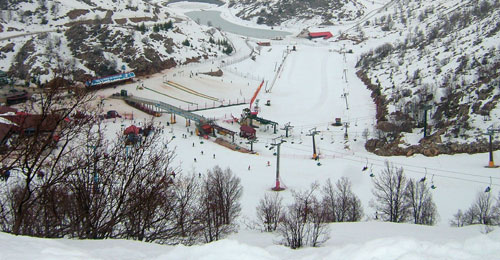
<point x="313" y="132"/>
<point x="491" y="131"/>
<point x="277" y="145"/>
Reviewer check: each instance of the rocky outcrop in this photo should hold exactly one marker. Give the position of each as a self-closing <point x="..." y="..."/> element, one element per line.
<point x="279" y="11"/>
<point x="428" y="147"/>
<point x="217" y="73"/>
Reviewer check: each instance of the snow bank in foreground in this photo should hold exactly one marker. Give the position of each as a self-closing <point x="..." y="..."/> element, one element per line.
<point x="397" y="241"/>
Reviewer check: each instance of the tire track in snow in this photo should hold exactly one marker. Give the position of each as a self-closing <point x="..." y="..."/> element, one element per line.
<point x="323" y="81"/>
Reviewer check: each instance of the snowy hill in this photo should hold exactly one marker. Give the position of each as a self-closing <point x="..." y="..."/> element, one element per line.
<point x="85" y="39"/>
<point x="372" y="240"/>
<point x="276" y="12"/>
<point x="442" y="54"/>
<point x="307" y="88"/>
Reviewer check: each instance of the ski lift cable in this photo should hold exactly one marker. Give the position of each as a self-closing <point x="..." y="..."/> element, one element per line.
<point x="435" y="174"/>
<point x="414" y="166"/>
<point x="410" y="170"/>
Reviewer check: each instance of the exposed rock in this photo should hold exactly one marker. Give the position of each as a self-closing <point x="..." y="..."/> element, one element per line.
<point x="193" y="59"/>
<point x="141" y="19"/>
<point x="217" y="73"/>
<point x="22" y="62"/>
<point x="73" y="14"/>
<point x="121" y="21"/>
<point x="386" y="126"/>
<point x="7" y="48"/>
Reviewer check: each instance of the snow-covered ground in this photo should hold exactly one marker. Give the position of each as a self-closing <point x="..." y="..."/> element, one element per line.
<point x="310" y="91"/>
<point x="357" y="241"/>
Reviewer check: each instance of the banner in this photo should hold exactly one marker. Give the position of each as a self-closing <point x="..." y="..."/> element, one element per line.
<point x="110" y="79"/>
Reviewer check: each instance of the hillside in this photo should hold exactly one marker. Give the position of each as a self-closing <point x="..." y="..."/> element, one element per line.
<point x="111" y="182"/>
<point x="275" y="12"/>
<point x="442" y="57"/>
<point x="80" y="39"/>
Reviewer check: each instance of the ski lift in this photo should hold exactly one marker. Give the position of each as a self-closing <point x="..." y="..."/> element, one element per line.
<point x="366" y="166"/>
<point x="425" y="176"/>
<point x="371" y="171"/>
<point x="432" y="183"/>
<point x="488" y="189"/>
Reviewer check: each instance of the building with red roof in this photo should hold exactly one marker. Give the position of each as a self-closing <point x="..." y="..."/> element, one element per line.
<point x="324" y="35"/>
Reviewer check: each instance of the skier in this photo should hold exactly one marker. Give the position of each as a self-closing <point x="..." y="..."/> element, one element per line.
<point x="268" y="163"/>
<point x="202" y="152"/>
<point x="195" y="159"/>
<point x="214" y="155"/>
<point x="249" y="167"/>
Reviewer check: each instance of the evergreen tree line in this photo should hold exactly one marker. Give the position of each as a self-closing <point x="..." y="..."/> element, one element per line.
<point x="163" y="26"/>
<point x="157" y="27"/>
<point x="228" y="48"/>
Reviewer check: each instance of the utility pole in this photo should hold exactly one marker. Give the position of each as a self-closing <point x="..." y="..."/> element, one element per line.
<point x="491" y="131"/>
<point x="278" y="145"/>
<point x="425" y="108"/>
<point x="312" y="133"/>
<point x="286" y="128"/>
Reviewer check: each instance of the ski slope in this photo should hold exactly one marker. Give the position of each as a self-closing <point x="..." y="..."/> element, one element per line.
<point x="310" y="93"/>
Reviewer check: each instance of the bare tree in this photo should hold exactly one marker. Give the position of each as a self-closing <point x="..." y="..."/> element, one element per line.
<point x="186" y="191"/>
<point x="303" y="223"/>
<point x="340" y="203"/>
<point x="269" y="211"/>
<point x="482" y="211"/>
<point x="389" y="192"/>
<point x="419" y="199"/>
<point x="37" y="150"/>
<point x="219" y="203"/>
<point x="458" y="219"/>
<point x="121" y="184"/>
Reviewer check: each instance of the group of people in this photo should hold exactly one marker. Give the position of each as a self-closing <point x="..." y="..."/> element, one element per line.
<point x="213" y="156"/>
